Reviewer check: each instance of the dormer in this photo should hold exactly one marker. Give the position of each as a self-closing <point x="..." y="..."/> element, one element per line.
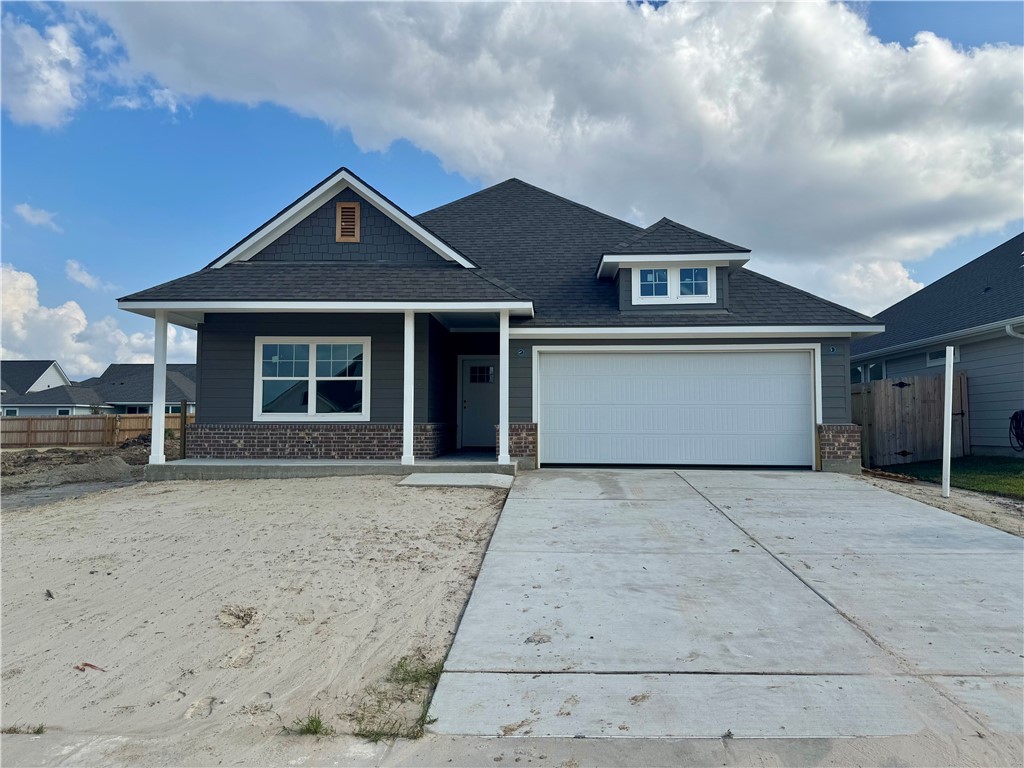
<point x="670" y="265"/>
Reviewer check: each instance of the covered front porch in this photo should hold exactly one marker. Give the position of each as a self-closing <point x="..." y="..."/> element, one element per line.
<point x="406" y="386"/>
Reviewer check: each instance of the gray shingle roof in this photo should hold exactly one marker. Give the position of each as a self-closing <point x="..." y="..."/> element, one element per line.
<point x="19" y="375"/>
<point x="330" y="281"/>
<point x="667" y="236"/>
<point x="73" y="395"/>
<point x="987" y="290"/>
<point x="133" y="383"/>
<point x="548" y="248"/>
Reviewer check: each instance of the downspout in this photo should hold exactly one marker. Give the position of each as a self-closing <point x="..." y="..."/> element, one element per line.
<point x="1010" y="332"/>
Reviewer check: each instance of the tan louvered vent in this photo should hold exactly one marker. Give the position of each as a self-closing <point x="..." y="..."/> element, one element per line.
<point x="346" y="228"/>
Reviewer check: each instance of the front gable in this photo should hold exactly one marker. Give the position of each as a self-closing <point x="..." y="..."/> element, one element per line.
<point x="378" y="237"/>
<point x="313" y="215"/>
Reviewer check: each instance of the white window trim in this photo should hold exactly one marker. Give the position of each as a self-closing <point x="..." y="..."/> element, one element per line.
<point x="67" y="411"/>
<point x="674" y="296"/>
<point x="10" y="409"/>
<point x="942" y="360"/>
<point x="312" y="341"/>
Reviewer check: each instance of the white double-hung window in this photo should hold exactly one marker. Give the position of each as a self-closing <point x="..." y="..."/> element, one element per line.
<point x="317" y="379"/>
<point x="674" y="284"/>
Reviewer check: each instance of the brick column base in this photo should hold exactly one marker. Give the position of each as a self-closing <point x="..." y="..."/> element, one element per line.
<point x="839" y="448"/>
<point x="522" y="442"/>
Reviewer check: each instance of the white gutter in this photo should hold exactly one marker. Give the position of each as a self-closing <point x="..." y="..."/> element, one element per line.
<point x="1011" y="332"/>
<point x="696" y="332"/>
<point x="1001" y="325"/>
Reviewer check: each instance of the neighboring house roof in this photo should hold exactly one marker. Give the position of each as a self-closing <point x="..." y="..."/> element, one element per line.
<point x="329" y="281"/>
<point x="133" y="383"/>
<point x="987" y="290"/>
<point x="667" y="236"/>
<point x="60" y="396"/>
<point x="20" y="375"/>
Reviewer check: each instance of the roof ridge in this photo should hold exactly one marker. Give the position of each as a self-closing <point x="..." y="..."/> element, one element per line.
<point x="772" y="280"/>
<point x="549" y="193"/>
<point x="502" y="285"/>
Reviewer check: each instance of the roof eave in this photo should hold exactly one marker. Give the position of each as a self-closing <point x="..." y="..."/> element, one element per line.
<point x="965" y="333"/>
<point x="612" y="262"/>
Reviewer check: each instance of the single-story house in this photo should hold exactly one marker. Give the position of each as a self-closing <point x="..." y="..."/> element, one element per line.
<point x="128" y="387"/>
<point x="38" y="388"/>
<point x="977" y="309"/>
<point x="121" y="389"/>
<point x="345" y="328"/>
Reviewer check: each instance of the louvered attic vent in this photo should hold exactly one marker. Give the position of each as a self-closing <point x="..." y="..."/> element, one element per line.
<point x="346" y="227"/>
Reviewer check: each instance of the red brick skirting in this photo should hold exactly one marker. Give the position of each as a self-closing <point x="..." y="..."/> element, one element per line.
<point x="522" y="440"/>
<point x="314" y="441"/>
<point x="839" y="445"/>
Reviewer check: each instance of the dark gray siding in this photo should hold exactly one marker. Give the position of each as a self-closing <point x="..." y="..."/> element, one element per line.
<point x="227" y="359"/>
<point x="381" y="239"/>
<point x="995" y="386"/>
<point x="835" y="372"/>
<point x="624" y="281"/>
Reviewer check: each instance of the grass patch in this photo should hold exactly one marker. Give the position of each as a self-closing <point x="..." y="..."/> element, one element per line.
<point x="33" y="729"/>
<point x="999" y="475"/>
<point x="312" y="725"/>
<point x="399" y="706"/>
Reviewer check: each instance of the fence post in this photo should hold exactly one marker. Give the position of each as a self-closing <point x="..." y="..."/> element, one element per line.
<point x="28" y="432"/>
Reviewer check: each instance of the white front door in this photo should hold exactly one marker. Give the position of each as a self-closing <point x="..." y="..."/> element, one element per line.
<point x="479" y="401"/>
<point x="720" y="407"/>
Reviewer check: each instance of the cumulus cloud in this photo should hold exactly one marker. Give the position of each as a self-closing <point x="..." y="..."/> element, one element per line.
<point x="43" y="74"/>
<point x="786" y="127"/>
<point x="64" y="333"/>
<point x="37" y="217"/>
<point x="76" y="273"/>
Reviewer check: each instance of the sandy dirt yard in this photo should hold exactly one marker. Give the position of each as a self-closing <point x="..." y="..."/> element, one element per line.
<point x="995" y="511"/>
<point x="222" y="612"/>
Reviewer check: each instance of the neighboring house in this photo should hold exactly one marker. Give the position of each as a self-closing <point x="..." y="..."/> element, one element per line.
<point x="345" y="328"/>
<point x="979" y="311"/>
<point x="26" y="378"/>
<point x="128" y="387"/>
<point x="122" y="388"/>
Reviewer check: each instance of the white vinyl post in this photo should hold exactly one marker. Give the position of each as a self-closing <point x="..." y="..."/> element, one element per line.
<point x="408" y="389"/>
<point x="503" y="355"/>
<point x="947" y="423"/>
<point x="156" y="455"/>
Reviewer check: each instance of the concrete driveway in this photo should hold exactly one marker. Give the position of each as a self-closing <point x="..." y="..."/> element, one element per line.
<point x="656" y="603"/>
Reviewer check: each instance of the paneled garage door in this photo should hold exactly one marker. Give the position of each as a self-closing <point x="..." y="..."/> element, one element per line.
<point x="725" y="408"/>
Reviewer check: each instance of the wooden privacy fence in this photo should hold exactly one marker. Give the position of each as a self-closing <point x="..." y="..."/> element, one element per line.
<point x="901" y="419"/>
<point x="80" y="431"/>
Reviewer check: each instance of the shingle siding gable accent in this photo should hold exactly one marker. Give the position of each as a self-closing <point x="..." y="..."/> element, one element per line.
<point x="380" y="238"/>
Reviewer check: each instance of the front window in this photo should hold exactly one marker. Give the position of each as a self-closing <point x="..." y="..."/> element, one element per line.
<point x="63" y="411"/>
<point x="10" y="411"/>
<point x="678" y="283"/>
<point x="136" y="409"/>
<point x="938" y="356"/>
<point x="323" y="379"/>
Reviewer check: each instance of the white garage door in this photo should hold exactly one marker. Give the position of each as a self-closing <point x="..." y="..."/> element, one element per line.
<point x="741" y="408"/>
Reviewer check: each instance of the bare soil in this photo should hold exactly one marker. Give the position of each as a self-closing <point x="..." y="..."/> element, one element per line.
<point x="28" y="460"/>
<point x="225" y="611"/>
<point x="994" y="511"/>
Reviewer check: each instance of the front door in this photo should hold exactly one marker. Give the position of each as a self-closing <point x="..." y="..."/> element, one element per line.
<point x="479" y="401"/>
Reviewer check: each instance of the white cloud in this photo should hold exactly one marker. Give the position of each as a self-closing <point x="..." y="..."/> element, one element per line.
<point x="75" y="272"/>
<point x="43" y="74"/>
<point x="64" y="333"/>
<point x="37" y="217"/>
<point x="786" y="127"/>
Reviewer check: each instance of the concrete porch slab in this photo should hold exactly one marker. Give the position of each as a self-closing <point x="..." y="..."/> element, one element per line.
<point x="280" y="469"/>
<point x="458" y="480"/>
<point x="686" y="706"/>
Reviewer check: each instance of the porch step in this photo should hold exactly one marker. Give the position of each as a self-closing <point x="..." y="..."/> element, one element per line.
<point x="281" y="469"/>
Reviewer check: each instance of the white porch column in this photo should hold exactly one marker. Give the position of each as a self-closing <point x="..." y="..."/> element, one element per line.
<point x="503" y="355"/>
<point x="156" y="455"/>
<point x="408" y="388"/>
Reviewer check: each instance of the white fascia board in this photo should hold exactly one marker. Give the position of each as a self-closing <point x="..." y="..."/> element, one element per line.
<point x="301" y="209"/>
<point x="692" y="332"/>
<point x="610" y="262"/>
<point x="521" y="308"/>
<point x="977" y="330"/>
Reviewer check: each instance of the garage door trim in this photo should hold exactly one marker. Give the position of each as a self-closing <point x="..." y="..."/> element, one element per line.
<point x="814" y="348"/>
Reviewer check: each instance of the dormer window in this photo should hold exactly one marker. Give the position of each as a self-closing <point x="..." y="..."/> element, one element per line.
<point x="674" y="284"/>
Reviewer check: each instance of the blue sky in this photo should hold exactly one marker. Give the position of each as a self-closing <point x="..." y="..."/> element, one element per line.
<point x="143" y="189"/>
